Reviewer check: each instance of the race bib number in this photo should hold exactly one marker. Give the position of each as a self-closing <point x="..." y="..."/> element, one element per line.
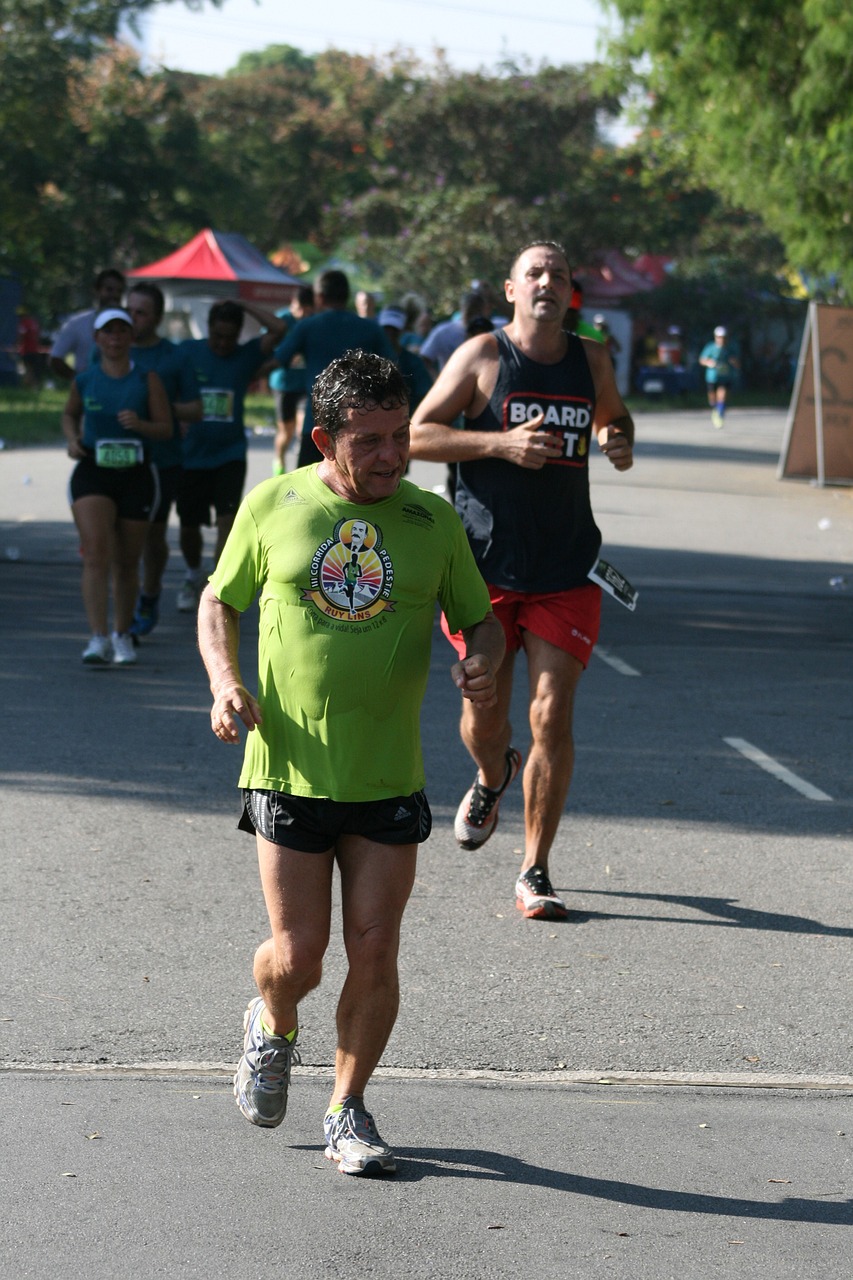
<point x="119" y="453"/>
<point x="612" y="581"/>
<point x="217" y="404"/>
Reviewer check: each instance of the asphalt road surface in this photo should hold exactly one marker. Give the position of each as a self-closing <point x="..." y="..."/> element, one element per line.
<point x="660" y="1086"/>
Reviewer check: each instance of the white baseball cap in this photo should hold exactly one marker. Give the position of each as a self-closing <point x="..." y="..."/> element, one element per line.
<point x="112" y="313"/>
<point x="719" y="332"/>
<point x="392" y="318"/>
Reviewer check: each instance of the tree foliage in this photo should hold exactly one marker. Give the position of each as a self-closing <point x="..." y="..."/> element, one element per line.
<point x="424" y="177"/>
<point x="757" y="101"/>
<point x="89" y="145"/>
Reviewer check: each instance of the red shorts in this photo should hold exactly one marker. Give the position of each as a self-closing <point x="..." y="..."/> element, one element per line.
<point x="569" y="620"/>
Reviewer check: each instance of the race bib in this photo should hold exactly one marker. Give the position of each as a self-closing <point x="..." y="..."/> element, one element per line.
<point x="119" y="453"/>
<point x="217" y="404"/>
<point x="612" y="581"/>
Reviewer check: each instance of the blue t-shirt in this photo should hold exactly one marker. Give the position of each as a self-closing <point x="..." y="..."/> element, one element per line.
<point x="416" y="374"/>
<point x="103" y="397"/>
<point x="323" y="337"/>
<point x="176" y="373"/>
<point x="723" y="370"/>
<point x="292" y="379"/>
<point x="223" y="382"/>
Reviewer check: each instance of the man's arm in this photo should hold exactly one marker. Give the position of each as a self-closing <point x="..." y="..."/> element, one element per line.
<point x="614" y="426"/>
<point x="274" y="325"/>
<point x="464" y="386"/>
<point x="475" y="675"/>
<point x="219" y="642"/>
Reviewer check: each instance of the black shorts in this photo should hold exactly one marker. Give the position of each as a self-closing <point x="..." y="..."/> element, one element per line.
<point x="134" y="490"/>
<point x="313" y="826"/>
<point x="170" y="484"/>
<point x="218" y="487"/>
<point x="286" y="404"/>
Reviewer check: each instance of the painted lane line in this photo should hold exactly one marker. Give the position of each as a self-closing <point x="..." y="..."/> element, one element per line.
<point x="616" y="663"/>
<point x="778" y="770"/>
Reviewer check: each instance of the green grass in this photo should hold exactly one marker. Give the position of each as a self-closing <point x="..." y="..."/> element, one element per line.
<point x="33" y="417"/>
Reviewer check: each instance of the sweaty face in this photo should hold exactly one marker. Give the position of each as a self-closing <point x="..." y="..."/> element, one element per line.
<point x="223" y="338"/>
<point x="541" y="284"/>
<point x="369" y="454"/>
<point x="143" y="313"/>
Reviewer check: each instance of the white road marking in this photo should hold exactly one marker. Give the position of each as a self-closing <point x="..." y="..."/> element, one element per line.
<point x="778" y="770"/>
<point x="616" y="663"/>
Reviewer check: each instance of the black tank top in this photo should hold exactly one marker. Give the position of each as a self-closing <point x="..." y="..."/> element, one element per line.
<point x="534" y="530"/>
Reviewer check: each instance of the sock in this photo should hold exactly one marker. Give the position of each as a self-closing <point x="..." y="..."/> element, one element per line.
<point x="351" y="1100"/>
<point x="274" y="1035"/>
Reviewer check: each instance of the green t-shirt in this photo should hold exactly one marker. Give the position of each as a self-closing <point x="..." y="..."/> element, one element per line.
<point x="347" y="606"/>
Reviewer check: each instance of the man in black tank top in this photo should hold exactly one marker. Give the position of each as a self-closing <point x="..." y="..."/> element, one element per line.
<point x="533" y="397"/>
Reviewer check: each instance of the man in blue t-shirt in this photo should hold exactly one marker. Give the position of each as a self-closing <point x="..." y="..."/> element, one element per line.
<point x="720" y="362"/>
<point x="288" y="385"/>
<point x="214" y="449"/>
<point x="323" y="337"/>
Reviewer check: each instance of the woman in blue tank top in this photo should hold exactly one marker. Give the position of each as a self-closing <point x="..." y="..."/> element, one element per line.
<point x="112" y="412"/>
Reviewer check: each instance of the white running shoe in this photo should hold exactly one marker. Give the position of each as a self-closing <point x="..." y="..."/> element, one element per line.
<point x="98" y="652"/>
<point x="353" y="1142"/>
<point x="188" y="597"/>
<point x="124" y="653"/>
<point x="477" y="815"/>
<point x="535" y="896"/>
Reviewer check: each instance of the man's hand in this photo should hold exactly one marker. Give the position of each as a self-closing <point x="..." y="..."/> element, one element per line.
<point x="527" y="446"/>
<point x="617" y="447"/>
<point x="474" y="677"/>
<point x="231" y="704"/>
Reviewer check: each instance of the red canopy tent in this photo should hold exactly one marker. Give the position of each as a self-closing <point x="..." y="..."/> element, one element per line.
<point x="215" y="265"/>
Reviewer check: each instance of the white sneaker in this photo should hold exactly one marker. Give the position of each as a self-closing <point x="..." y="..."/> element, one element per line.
<point x="124" y="653"/>
<point x="188" y="597"/>
<point x="98" y="652"/>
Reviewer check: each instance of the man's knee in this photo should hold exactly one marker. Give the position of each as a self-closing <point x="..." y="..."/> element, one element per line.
<point x="374" y="947"/>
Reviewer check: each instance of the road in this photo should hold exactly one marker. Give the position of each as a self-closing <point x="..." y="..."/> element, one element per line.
<point x="661" y="1086"/>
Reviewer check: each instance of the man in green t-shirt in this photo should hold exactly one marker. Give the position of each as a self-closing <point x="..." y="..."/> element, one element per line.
<point x="349" y="559"/>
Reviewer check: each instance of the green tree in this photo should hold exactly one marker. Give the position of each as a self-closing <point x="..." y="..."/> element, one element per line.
<point x="471" y="166"/>
<point x="51" y="54"/>
<point x="757" y="101"/>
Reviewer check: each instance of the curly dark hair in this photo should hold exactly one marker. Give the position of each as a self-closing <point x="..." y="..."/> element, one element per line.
<point x="356" y="380"/>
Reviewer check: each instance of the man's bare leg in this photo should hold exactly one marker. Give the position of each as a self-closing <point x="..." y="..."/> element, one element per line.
<point x="376" y="880"/>
<point x="553" y="679"/>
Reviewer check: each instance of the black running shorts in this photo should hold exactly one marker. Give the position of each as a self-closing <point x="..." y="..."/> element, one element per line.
<point x="313" y="826"/>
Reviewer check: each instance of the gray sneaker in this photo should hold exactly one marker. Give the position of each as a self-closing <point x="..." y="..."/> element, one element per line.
<point x="263" y="1075"/>
<point x="353" y="1142"/>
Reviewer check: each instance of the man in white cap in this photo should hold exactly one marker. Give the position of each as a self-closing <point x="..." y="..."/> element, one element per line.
<point x="410" y="364"/>
<point x="719" y="360"/>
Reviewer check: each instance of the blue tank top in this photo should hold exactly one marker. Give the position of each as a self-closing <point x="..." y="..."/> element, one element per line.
<point x="534" y="530"/>
<point x="104" y="396"/>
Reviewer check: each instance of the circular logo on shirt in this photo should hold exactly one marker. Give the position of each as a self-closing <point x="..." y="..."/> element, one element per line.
<point x="351" y="574"/>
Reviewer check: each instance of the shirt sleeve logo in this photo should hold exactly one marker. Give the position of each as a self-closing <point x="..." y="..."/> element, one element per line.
<point x="351" y="574"/>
